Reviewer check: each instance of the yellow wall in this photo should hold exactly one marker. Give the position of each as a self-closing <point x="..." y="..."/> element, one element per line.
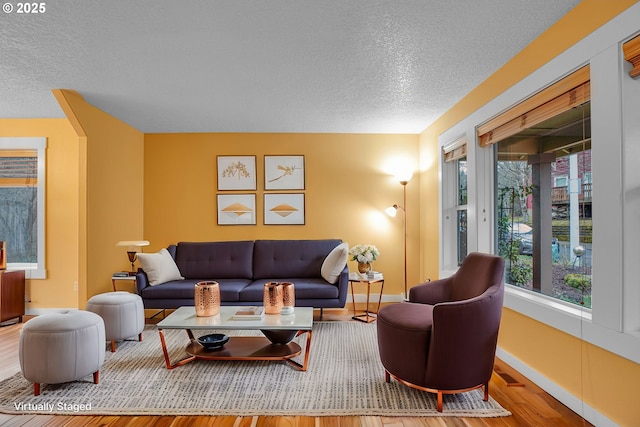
<point x="111" y="191"/>
<point x="603" y="380"/>
<point x="61" y="211"/>
<point x="349" y="183"/>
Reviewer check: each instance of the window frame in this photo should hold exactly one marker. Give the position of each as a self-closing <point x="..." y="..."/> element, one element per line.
<point x="614" y="322"/>
<point x="461" y="208"/>
<point x="39" y="144"/>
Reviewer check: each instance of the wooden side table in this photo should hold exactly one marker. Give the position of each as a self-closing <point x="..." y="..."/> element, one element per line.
<point x="115" y="279"/>
<point x="367" y="316"/>
<point x="12" y="295"/>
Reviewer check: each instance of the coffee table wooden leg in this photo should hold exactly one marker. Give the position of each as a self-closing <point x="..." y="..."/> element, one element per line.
<point x="303" y="366"/>
<point x="167" y="361"/>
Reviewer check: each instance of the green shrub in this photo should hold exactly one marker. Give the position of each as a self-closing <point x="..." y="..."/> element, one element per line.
<point x="520" y="274"/>
<point x="578" y="281"/>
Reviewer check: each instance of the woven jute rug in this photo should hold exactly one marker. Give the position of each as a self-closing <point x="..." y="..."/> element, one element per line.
<point x="344" y="377"/>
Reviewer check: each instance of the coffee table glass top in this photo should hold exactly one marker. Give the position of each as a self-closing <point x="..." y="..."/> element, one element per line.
<point x="185" y="318"/>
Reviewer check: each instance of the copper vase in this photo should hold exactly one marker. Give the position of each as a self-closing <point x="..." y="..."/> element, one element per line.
<point x="272" y="298"/>
<point x="207" y="299"/>
<point x="288" y="298"/>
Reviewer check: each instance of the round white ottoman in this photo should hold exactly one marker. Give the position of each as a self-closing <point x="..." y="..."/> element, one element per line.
<point x="122" y="312"/>
<point x="61" y="347"/>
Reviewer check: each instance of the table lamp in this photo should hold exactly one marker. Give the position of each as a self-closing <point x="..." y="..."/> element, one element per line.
<point x="132" y="250"/>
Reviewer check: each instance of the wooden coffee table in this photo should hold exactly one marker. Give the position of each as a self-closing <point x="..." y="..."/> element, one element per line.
<point x="276" y="343"/>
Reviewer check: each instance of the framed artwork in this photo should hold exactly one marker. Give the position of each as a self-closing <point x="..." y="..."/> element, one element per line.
<point x="237" y="173"/>
<point x="236" y="209"/>
<point x="284" y="172"/>
<point x="284" y="209"/>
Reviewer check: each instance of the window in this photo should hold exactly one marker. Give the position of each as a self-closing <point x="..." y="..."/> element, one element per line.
<point x="543" y="190"/>
<point x="455" y="156"/>
<point x="560" y="181"/>
<point x="462" y="210"/>
<point x="526" y="188"/>
<point x="22" y="203"/>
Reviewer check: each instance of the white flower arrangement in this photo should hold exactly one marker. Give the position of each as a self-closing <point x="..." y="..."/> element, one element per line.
<point x="364" y="253"/>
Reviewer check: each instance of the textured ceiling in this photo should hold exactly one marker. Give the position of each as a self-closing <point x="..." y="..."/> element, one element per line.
<point x="346" y="66"/>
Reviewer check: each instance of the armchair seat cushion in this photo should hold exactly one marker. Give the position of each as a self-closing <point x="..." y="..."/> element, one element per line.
<point x="404" y="334"/>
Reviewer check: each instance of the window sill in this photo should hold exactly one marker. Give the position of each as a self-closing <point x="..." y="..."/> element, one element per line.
<point x="30" y="271"/>
<point x="572" y="320"/>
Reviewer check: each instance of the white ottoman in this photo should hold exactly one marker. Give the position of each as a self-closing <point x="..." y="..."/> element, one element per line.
<point x="122" y="312"/>
<point x="61" y="347"/>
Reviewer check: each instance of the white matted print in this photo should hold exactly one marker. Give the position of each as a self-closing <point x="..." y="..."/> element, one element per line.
<point x="236" y="209"/>
<point x="237" y="173"/>
<point x="284" y="172"/>
<point x="284" y="209"/>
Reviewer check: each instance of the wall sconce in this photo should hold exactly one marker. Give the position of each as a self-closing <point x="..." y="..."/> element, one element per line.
<point x="132" y="250"/>
<point x="404" y="178"/>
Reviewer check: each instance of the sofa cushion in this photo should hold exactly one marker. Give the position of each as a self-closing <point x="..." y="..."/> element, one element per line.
<point x="335" y="262"/>
<point x="160" y="267"/>
<point x="215" y="260"/>
<point x="304" y="288"/>
<point x="281" y="259"/>
<point x="184" y="289"/>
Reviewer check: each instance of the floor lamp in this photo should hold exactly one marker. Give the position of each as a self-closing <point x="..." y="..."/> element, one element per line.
<point x="391" y="211"/>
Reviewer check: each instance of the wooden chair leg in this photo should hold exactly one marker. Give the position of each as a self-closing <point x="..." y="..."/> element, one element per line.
<point x="387" y="376"/>
<point x="486" y="392"/>
<point x="96" y="377"/>
<point x="140" y="336"/>
<point x="113" y="346"/>
<point x="36" y="389"/>
<point x="439" y="401"/>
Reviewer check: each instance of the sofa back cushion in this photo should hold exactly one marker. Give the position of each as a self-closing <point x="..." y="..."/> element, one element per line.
<point x="282" y="259"/>
<point x="215" y="260"/>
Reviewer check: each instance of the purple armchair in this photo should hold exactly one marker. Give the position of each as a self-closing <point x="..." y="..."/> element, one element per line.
<point x="444" y="339"/>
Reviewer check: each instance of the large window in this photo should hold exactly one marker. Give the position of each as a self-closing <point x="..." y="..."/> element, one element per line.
<point x="22" y="203"/>
<point x="544" y="199"/>
<point x="543" y="189"/>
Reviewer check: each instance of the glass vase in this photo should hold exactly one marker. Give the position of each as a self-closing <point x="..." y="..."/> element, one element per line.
<point x="364" y="267"/>
<point x="288" y="298"/>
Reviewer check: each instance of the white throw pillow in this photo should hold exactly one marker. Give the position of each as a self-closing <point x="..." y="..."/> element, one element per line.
<point x="335" y="262"/>
<point x="160" y="267"/>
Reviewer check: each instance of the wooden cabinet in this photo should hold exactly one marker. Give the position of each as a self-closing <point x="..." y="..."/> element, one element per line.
<point x="11" y="295"/>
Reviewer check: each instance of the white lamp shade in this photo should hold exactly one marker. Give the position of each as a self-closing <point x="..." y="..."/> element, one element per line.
<point x="404" y="175"/>
<point x="137" y="243"/>
<point x="391" y="211"/>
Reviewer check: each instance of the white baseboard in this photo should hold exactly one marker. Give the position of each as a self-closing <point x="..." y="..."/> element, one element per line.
<point x="40" y="311"/>
<point x="373" y="298"/>
<point x="569" y="400"/>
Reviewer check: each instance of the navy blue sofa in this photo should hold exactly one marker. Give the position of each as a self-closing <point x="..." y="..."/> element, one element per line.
<point x="243" y="267"/>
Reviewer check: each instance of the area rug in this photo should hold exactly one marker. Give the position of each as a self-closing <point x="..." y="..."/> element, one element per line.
<point x="344" y="377"/>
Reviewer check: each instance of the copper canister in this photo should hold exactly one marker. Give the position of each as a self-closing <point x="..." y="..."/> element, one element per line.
<point x="207" y="299"/>
<point x="272" y="298"/>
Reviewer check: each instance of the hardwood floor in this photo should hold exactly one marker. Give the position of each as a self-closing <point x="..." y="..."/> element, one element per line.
<point x="530" y="405"/>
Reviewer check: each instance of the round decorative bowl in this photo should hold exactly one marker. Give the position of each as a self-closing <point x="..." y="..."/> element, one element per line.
<point x="213" y="341"/>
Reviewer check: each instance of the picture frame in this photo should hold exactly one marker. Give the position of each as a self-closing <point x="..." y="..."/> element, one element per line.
<point x="236" y="209"/>
<point x="284" y="209"/>
<point x="236" y="173"/>
<point x="284" y="172"/>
